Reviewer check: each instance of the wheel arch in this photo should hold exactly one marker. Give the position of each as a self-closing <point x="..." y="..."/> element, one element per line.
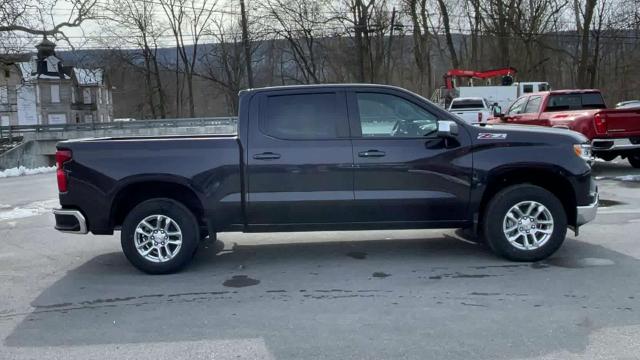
<point x="549" y="179"/>
<point x="140" y="190"/>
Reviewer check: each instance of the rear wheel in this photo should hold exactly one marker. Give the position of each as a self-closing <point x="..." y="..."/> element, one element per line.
<point x="524" y="223"/>
<point x="634" y="160"/>
<point x="607" y="157"/>
<point x="159" y="236"/>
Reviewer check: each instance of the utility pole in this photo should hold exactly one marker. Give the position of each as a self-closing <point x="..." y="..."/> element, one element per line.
<point x="245" y="42"/>
<point x="388" y="64"/>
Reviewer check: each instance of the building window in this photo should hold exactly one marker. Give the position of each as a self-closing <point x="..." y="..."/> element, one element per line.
<point x="55" y="94"/>
<point x="88" y="118"/>
<point x="99" y="95"/>
<point x="73" y="95"/>
<point x="86" y="96"/>
<point x="7" y="73"/>
<point x="55" y="119"/>
<point x="4" y="95"/>
<point x="4" y="120"/>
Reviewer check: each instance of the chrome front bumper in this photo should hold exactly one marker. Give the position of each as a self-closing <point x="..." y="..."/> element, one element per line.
<point x="587" y="213"/>
<point x="70" y="221"/>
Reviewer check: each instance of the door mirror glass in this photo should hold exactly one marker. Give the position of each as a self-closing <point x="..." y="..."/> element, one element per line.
<point x="447" y="128"/>
<point x="497" y="110"/>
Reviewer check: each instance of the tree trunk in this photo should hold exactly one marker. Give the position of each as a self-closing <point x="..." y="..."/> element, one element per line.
<point x="447" y="30"/>
<point x="583" y="61"/>
<point x="245" y="42"/>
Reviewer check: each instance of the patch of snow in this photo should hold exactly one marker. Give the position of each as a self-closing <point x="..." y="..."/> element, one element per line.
<point x="628" y="178"/>
<point x="21" y="171"/>
<point x="32" y="209"/>
<point x="25" y="69"/>
<point x="29" y="74"/>
<point x="87" y="77"/>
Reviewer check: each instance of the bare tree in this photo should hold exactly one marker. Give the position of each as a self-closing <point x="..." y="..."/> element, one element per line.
<point x="444" y="14"/>
<point x="299" y="22"/>
<point x="418" y="11"/>
<point x="224" y="62"/>
<point x="584" y="17"/>
<point x="188" y="20"/>
<point x="139" y="25"/>
<point x="34" y="17"/>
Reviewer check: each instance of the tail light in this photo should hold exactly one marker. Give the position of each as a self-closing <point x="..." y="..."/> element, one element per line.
<point x="600" y="123"/>
<point x="62" y="156"/>
<point x="479" y="117"/>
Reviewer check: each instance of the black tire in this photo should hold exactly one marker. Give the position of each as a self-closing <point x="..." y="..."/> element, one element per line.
<point x="634" y="160"/>
<point x="607" y="157"/>
<point x="178" y="213"/>
<point x="499" y="206"/>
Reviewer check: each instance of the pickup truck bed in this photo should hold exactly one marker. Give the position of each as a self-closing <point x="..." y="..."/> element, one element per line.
<point x="204" y="170"/>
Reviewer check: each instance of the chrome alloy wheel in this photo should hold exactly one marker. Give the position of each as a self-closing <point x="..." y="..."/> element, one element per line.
<point x="528" y="225"/>
<point x="158" y="238"/>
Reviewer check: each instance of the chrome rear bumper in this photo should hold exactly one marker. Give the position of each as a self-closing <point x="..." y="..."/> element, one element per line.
<point x="614" y="144"/>
<point x="70" y="221"/>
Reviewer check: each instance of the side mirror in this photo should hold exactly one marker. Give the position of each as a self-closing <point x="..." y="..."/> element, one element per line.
<point x="447" y="128"/>
<point x="497" y="110"/>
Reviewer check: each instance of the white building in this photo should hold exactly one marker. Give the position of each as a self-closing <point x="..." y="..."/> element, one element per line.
<point x="44" y="91"/>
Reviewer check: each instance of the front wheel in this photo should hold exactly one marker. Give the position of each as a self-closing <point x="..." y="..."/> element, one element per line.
<point x="524" y="223"/>
<point x="159" y="236"/>
<point x="634" y="160"/>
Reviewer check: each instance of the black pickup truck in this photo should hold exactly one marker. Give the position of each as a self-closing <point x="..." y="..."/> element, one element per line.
<point x="329" y="157"/>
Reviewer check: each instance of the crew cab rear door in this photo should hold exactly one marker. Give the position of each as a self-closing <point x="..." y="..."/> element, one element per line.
<point x="403" y="171"/>
<point x="299" y="158"/>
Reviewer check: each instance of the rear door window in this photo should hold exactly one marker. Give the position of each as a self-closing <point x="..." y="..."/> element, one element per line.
<point x="302" y="116"/>
<point x="568" y="102"/>
<point x="467" y="104"/>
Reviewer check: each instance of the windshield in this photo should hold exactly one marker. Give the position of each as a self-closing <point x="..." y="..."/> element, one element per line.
<point x="467" y="104"/>
<point x="563" y="102"/>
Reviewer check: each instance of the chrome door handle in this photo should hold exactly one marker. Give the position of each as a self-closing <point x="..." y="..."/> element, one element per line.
<point x="371" y="153"/>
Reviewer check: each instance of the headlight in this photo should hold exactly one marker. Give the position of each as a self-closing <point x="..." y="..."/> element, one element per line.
<point x="583" y="151"/>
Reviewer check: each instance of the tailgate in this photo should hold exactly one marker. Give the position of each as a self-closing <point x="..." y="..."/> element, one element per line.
<point x="623" y="123"/>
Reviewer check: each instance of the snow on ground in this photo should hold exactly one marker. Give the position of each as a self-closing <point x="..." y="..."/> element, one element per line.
<point x="28" y="210"/>
<point x="21" y="171"/>
<point x="628" y="178"/>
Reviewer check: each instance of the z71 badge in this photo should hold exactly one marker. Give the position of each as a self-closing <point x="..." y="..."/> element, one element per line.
<point x="493" y="136"/>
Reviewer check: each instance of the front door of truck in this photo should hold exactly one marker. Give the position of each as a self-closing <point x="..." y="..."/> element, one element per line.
<point x="514" y="114"/>
<point x="300" y="160"/>
<point x="404" y="172"/>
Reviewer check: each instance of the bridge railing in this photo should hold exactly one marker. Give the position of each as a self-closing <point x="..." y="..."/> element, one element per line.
<point x="135" y="124"/>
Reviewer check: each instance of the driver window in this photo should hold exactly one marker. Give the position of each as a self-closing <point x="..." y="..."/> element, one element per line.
<point x="383" y="115"/>
<point x="518" y="106"/>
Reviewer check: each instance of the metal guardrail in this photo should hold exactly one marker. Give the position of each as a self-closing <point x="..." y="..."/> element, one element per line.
<point x="120" y="125"/>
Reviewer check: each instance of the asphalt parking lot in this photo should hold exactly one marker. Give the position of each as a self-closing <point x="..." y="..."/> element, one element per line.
<point x="333" y="295"/>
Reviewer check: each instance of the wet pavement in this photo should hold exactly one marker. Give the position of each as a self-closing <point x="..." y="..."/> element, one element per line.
<point x="326" y="295"/>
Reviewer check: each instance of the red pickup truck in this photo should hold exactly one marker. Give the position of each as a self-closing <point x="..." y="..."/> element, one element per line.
<point x="612" y="132"/>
